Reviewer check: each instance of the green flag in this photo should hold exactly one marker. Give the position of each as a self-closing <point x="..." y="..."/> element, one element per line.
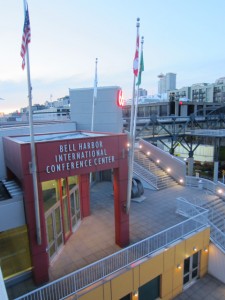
<point x="141" y="69"/>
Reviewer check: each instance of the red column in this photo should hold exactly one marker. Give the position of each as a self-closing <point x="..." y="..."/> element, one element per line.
<point x="120" y="199"/>
<point x="84" y="187"/>
<point x="39" y="255"/>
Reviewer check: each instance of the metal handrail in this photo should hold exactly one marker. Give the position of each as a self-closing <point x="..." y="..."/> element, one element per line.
<point x="150" y="178"/>
<point x="80" y="279"/>
<point x="185" y="208"/>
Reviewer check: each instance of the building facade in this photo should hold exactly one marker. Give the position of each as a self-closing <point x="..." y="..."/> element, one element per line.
<point x="64" y="164"/>
<point x="166" y="82"/>
<point x="105" y="111"/>
<point x="200" y="92"/>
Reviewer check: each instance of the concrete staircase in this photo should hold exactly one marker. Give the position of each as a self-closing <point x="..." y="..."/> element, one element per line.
<point x="216" y="208"/>
<point x="149" y="171"/>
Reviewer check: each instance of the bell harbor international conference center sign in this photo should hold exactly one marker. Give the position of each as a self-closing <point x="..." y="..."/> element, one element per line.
<point x="74" y="155"/>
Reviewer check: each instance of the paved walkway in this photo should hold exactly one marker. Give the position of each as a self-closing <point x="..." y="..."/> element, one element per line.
<point x="206" y="288"/>
<point x="95" y="237"/>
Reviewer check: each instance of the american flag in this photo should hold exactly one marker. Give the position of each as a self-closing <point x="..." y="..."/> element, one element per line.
<point x="25" y="38"/>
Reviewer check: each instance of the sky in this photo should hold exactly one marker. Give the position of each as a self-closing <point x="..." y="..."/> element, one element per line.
<point x="186" y="37"/>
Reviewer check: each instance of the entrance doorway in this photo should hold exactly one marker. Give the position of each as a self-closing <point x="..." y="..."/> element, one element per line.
<point x="62" y="211"/>
<point x="75" y="207"/>
<point x="53" y="221"/>
<point x="191" y="269"/>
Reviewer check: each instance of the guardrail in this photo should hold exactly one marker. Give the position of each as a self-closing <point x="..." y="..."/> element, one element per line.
<point x="80" y="279"/>
<point x="187" y="209"/>
<point x="177" y="168"/>
<point x="146" y="175"/>
<point x="217" y="188"/>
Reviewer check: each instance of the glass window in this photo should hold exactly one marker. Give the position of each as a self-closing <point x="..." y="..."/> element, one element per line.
<point x="50" y="192"/>
<point x="150" y="290"/>
<point x="72" y="181"/>
<point x="63" y="185"/>
<point x="14" y="252"/>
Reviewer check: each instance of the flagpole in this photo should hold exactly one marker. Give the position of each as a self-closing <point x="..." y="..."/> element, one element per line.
<point x="94" y="95"/>
<point x="131" y="135"/>
<point x="32" y="145"/>
<point x="138" y="91"/>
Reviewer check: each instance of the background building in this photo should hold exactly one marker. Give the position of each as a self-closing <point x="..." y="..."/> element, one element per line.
<point x="107" y="108"/>
<point x="166" y="82"/>
<point x="200" y="92"/>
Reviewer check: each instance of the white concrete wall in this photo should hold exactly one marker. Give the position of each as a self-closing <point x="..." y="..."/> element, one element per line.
<point x="216" y="265"/>
<point x="3" y="293"/>
<point x="12" y="213"/>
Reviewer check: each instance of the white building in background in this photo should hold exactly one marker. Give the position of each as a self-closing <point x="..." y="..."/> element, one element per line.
<point x="166" y="82"/>
<point x="200" y="92"/>
<point x="107" y="108"/>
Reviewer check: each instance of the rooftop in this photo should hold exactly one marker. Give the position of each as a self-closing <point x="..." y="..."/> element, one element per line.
<point x="95" y="237"/>
<point x="58" y="136"/>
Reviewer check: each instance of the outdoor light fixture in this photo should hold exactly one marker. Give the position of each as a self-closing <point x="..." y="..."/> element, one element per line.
<point x="148" y="153"/>
<point x="168" y="170"/>
<point x="178" y="266"/>
<point x="135" y="293"/>
<point x="158" y="161"/>
<point x="140" y="146"/>
<point x="181" y="180"/>
<point x="195" y="249"/>
<point x="220" y="191"/>
<point x="128" y="145"/>
<point x="206" y="249"/>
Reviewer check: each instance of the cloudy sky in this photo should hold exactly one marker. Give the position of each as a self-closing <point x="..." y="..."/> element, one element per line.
<point x="186" y="37"/>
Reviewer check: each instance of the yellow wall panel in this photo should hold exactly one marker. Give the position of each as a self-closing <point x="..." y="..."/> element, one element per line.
<point x="96" y="293"/>
<point x="194" y="241"/>
<point x="204" y="258"/>
<point x="151" y="268"/>
<point x="168" y="259"/>
<point x="122" y="285"/>
<point x="177" y="291"/>
<point x="167" y="297"/>
<point x="179" y="253"/>
<point x="206" y="237"/>
<point x="166" y="283"/>
<point x="107" y="291"/>
<point x="203" y="271"/>
<point x="136" y="278"/>
<point x="178" y="277"/>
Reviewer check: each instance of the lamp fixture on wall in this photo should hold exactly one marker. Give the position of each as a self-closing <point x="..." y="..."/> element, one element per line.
<point x="135" y="293"/>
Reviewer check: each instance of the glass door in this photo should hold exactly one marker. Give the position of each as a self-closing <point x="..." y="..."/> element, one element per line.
<point x="65" y="209"/>
<point x="191" y="268"/>
<point x="75" y="207"/>
<point x="53" y="220"/>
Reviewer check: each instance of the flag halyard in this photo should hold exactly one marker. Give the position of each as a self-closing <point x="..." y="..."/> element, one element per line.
<point x="26" y="38"/>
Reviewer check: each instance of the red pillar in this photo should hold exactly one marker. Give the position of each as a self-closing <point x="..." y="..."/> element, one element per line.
<point x="39" y="255"/>
<point x="120" y="175"/>
<point x="84" y="187"/>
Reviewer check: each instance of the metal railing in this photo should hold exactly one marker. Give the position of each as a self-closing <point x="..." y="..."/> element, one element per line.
<point x="145" y="175"/>
<point x="185" y="208"/>
<point x="80" y="279"/>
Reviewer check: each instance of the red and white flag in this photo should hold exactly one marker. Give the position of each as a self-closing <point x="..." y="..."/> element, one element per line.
<point x="25" y="38"/>
<point x="136" y="58"/>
